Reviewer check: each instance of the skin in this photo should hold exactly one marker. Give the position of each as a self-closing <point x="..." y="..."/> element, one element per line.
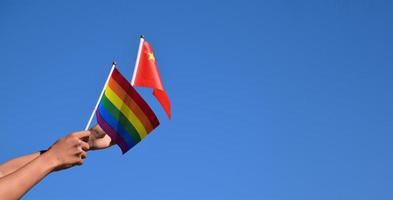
<point x="19" y="175"/>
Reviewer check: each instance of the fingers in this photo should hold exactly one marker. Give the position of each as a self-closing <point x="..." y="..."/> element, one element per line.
<point x="82" y="147"/>
<point x="79" y="162"/>
<point x="83" y="155"/>
<point x="97" y="131"/>
<point x="82" y="134"/>
<point x="70" y="150"/>
<point x="80" y="156"/>
<point x="85" y="146"/>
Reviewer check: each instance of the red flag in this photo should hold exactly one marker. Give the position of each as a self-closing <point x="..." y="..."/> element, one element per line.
<point x="146" y="74"/>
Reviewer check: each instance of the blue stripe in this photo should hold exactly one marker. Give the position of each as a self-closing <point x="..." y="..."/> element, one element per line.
<point x="116" y="126"/>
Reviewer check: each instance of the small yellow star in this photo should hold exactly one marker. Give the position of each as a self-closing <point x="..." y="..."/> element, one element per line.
<point x="151" y="56"/>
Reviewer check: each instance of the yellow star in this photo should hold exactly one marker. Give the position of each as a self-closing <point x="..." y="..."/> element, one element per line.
<point x="151" y="56"/>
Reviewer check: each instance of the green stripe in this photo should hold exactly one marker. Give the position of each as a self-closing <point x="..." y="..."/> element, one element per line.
<point x="108" y="105"/>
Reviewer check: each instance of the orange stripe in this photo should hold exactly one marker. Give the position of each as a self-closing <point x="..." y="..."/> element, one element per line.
<point x="131" y="104"/>
<point x="130" y="90"/>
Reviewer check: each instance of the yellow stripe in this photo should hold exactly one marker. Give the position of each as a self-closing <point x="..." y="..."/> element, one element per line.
<point x="119" y="104"/>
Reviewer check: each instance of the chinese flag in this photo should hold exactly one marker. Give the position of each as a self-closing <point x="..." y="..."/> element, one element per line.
<point x="146" y="74"/>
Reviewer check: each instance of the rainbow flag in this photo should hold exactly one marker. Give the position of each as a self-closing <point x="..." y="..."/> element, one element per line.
<point x="123" y="114"/>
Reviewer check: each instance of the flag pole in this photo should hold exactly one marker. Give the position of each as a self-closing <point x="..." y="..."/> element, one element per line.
<point x="99" y="98"/>
<point x="142" y="38"/>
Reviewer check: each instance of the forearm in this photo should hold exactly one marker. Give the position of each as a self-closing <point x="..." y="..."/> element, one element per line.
<point x="14" y="164"/>
<point x="17" y="183"/>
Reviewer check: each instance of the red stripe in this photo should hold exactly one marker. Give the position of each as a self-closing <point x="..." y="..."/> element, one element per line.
<point x="136" y="97"/>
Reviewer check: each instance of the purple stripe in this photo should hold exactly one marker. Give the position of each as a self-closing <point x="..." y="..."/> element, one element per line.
<point x="112" y="134"/>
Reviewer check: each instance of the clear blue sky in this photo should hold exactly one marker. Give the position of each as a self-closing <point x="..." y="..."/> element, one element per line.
<point x="275" y="100"/>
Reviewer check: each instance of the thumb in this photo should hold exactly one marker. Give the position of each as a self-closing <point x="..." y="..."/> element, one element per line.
<point x="97" y="132"/>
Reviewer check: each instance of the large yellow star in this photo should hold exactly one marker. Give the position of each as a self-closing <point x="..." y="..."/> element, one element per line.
<point x="151" y="56"/>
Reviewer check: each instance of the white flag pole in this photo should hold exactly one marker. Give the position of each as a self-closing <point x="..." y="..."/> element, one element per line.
<point x="99" y="98"/>
<point x="137" y="59"/>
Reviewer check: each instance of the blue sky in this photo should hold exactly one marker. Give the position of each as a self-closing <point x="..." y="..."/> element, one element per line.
<point x="271" y="100"/>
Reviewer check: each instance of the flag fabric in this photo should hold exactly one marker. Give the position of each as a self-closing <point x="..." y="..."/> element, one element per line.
<point x="123" y="114"/>
<point x="146" y="74"/>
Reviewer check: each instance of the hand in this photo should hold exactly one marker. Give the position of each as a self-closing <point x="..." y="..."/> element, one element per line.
<point x="99" y="139"/>
<point x="69" y="150"/>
